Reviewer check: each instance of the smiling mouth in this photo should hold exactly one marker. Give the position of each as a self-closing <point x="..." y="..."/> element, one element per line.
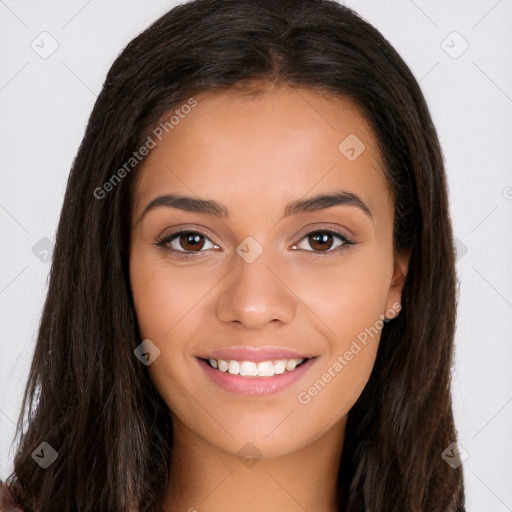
<point x="261" y="369"/>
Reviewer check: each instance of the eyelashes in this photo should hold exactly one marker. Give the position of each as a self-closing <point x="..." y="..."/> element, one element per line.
<point x="193" y="238"/>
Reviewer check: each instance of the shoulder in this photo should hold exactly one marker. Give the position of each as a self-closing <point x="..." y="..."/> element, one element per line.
<point x="7" y="501"/>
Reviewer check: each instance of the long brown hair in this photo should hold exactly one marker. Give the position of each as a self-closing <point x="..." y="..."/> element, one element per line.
<point x="92" y="400"/>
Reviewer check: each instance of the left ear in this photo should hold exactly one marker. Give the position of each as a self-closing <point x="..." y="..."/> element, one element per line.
<point x="401" y="267"/>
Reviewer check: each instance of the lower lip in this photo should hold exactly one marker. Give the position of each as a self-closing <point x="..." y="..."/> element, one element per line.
<point x="255" y="385"/>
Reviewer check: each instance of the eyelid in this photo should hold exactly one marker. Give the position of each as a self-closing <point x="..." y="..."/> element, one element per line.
<point x="164" y="240"/>
<point x="347" y="241"/>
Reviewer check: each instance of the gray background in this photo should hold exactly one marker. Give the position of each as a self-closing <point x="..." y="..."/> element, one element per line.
<point x="46" y="99"/>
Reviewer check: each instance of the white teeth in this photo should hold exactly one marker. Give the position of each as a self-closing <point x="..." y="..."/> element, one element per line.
<point x="253" y="369"/>
<point x="291" y="364"/>
<point x="234" y="367"/>
<point x="279" y="367"/>
<point x="248" y="368"/>
<point x="265" y="369"/>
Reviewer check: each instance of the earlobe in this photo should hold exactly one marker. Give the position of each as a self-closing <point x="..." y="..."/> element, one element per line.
<point x="401" y="268"/>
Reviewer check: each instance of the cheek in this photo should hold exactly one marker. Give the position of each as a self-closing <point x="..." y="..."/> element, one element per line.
<point x="166" y="305"/>
<point x="346" y="296"/>
<point x="347" y="301"/>
<point x="172" y="305"/>
<point x="163" y="296"/>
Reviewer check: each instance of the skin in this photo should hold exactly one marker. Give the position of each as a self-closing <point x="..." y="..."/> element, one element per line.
<point x="255" y="154"/>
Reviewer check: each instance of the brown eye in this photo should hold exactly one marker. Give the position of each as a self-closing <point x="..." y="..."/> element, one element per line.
<point x="322" y="242"/>
<point x="186" y="243"/>
<point x="191" y="241"/>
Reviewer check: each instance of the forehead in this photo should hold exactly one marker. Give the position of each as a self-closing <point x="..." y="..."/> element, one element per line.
<point x="265" y="148"/>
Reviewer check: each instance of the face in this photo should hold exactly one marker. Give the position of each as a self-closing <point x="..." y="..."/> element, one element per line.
<point x="317" y="281"/>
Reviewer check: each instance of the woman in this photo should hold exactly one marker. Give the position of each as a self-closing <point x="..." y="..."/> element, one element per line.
<point x="252" y="297"/>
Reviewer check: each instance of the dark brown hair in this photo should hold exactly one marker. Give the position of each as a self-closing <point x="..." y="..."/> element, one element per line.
<point x="92" y="400"/>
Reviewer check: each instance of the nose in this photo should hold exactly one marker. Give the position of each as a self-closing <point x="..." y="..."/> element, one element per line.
<point x="254" y="295"/>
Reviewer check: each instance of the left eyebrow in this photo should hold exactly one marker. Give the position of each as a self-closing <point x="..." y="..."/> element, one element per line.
<point x="216" y="209"/>
<point x="322" y="201"/>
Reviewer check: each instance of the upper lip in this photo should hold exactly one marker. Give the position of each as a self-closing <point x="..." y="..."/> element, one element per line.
<point x="256" y="354"/>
